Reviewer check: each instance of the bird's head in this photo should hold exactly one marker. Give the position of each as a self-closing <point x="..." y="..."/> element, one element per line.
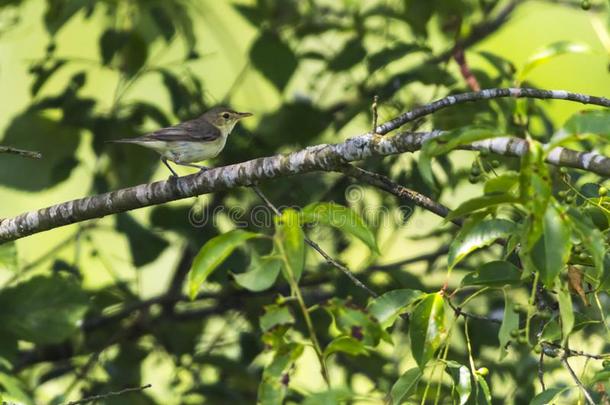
<point x="224" y="118"/>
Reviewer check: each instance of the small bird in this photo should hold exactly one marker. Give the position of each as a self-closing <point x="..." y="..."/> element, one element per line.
<point x="191" y="141"/>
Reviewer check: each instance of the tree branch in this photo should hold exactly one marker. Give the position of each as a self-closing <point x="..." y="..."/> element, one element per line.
<point x="318" y="249"/>
<point x="20" y="152"/>
<point x="489" y="94"/>
<point x="314" y="158"/>
<point x="109" y="394"/>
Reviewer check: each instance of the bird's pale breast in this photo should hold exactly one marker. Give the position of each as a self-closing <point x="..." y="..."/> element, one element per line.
<point x="187" y="151"/>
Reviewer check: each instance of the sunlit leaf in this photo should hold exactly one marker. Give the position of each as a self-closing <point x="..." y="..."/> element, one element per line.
<point x="212" y="254"/>
<point x="484" y="395"/>
<point x="550" y="52"/>
<point x="260" y="275"/>
<point x="479" y="203"/>
<point x="354" y="321"/>
<point x="290" y="239"/>
<point x="427" y="329"/>
<point x="390" y="305"/>
<point x="342" y="218"/>
<point x="566" y="311"/>
<point x="335" y="396"/>
<point x="557" y="244"/>
<point x="276" y="315"/>
<point x="479" y="235"/>
<point x="510" y="322"/>
<point x="460" y="375"/>
<point x="346" y="344"/>
<point x="501" y="184"/>
<point x="405" y="386"/>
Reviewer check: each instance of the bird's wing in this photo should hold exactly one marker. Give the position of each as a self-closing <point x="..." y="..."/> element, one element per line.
<point x="189" y="131"/>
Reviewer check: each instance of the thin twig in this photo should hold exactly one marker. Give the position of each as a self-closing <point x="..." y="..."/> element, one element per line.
<point x="564" y="361"/>
<point x="374" y="110"/>
<point x="458" y="311"/>
<point x="109" y="394"/>
<point x="20" y="152"/>
<point x="386" y="184"/>
<point x="575" y="353"/>
<point x="317" y="248"/>
<point x="488" y="94"/>
<point x="541" y="370"/>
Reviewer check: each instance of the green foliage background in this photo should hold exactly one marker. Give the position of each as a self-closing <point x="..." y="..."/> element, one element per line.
<point x="75" y="74"/>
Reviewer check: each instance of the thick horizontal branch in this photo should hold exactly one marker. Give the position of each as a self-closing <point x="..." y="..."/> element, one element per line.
<point x="314" y="158"/>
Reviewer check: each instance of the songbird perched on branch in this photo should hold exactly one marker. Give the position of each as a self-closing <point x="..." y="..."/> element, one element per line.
<point x="192" y="141"/>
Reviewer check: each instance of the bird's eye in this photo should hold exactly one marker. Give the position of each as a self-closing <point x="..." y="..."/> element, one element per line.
<point x="225" y="116"/>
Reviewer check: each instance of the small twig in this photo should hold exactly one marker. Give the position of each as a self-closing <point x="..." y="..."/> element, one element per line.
<point x="317" y="248"/>
<point x="20" y="152"/>
<point x="458" y="311"/>
<point x="386" y="184"/>
<point x="575" y="353"/>
<point x="564" y="361"/>
<point x="541" y="370"/>
<point x="109" y="394"/>
<point x="375" y="115"/>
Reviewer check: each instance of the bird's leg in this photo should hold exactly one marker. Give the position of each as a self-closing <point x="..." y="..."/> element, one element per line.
<point x="200" y="167"/>
<point x="174" y="174"/>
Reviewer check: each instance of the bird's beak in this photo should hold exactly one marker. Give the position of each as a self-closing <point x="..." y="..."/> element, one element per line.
<point x="241" y="115"/>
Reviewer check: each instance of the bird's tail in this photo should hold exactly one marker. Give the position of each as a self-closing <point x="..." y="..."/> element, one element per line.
<point x="125" y="140"/>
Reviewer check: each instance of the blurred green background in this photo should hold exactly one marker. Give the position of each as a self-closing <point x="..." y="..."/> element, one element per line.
<point x="284" y="61"/>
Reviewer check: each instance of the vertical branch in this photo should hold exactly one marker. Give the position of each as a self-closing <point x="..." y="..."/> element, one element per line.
<point x="564" y="361"/>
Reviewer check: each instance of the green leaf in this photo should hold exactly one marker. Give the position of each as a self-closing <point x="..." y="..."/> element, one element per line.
<point x="346" y="344"/>
<point x="43" y="309"/>
<point x="8" y="256"/>
<point x="390" y="305"/>
<point x="261" y="274"/>
<point x="548" y="396"/>
<point x="501" y="184"/>
<point x="290" y="239"/>
<point x="448" y="141"/>
<point x="460" y="375"/>
<point x="342" y="218"/>
<point x="549" y="52"/>
<point x="557" y="244"/>
<point x="276" y="315"/>
<point x="13" y="391"/>
<point x="483" y="394"/>
<point x="352" y="53"/>
<point x="335" y="396"/>
<point x="510" y="322"/>
<point x="212" y="254"/>
<point x="273" y="58"/>
<point x="355" y="322"/>
<point x="405" y="386"/>
<point x="590" y="237"/>
<point x="272" y="389"/>
<point x="494" y="274"/>
<point x="479" y="203"/>
<point x="476" y="236"/>
<point x="397" y="51"/>
<point x="581" y="124"/>
<point x="566" y="311"/>
<point x="427" y="329"/>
